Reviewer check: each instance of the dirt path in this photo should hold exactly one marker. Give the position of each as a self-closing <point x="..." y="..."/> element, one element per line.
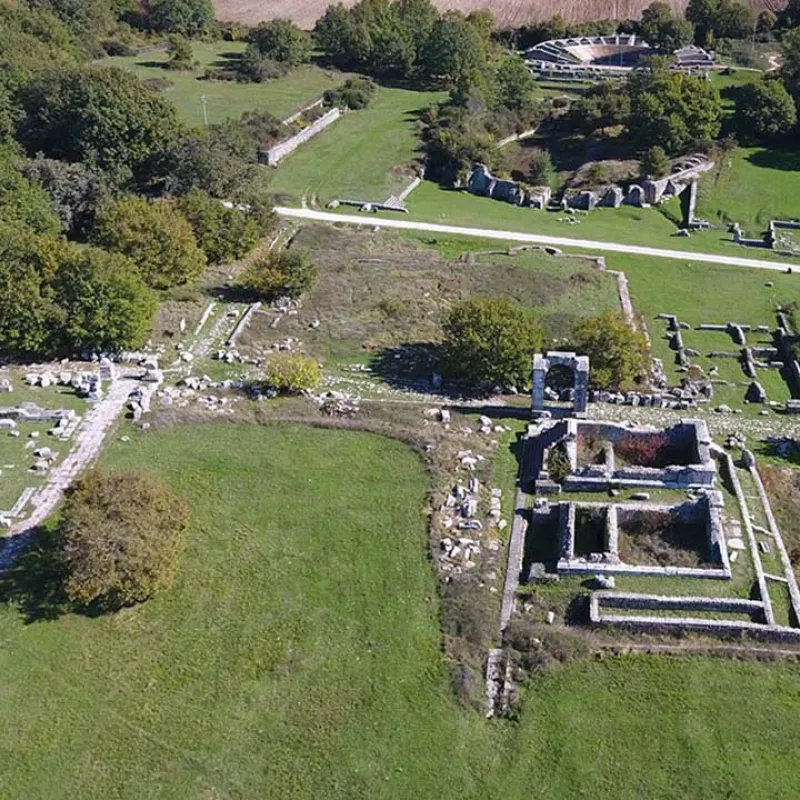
<point x="534" y="238"/>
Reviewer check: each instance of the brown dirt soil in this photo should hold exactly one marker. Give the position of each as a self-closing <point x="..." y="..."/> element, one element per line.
<point x="507" y="12"/>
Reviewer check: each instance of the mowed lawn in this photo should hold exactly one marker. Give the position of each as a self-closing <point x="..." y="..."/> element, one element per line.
<point x="755" y="186"/>
<point x="228" y="99"/>
<point x="362" y="155"/>
<point x="626" y="225"/>
<point x="298" y="656"/>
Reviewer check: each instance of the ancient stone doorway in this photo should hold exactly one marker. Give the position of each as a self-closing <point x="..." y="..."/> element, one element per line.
<point x="562" y="364"/>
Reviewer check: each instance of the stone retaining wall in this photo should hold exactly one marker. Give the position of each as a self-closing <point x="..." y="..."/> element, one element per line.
<point x="280" y="151"/>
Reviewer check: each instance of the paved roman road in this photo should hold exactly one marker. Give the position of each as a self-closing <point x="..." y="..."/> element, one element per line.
<point x="534" y="238"/>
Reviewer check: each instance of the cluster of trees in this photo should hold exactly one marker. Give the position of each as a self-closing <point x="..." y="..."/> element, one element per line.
<point x="407" y="39"/>
<point x="719" y="19"/>
<point x="273" y="49"/>
<point x="105" y="197"/>
<point x="659" y="107"/>
<point x="489" y="343"/>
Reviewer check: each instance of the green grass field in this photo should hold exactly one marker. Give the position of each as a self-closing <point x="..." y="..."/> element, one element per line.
<point x="298" y="656"/>
<point x="626" y="225"/>
<point x="228" y="99"/>
<point x="362" y="156"/>
<point x="757" y="185"/>
<point x="377" y="291"/>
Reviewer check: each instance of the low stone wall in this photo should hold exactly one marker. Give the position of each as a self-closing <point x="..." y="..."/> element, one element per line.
<point x="280" y="151"/>
<point x="33" y="414"/>
<point x="656" y="624"/>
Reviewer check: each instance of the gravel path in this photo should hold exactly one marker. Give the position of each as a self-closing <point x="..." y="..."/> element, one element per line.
<point x="89" y="438"/>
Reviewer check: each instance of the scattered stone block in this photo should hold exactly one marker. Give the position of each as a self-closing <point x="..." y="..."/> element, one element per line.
<point x="736" y="544"/>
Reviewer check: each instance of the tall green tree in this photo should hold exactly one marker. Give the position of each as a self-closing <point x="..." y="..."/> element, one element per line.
<point x="663" y="30"/>
<point x="104" y="303"/>
<point x="671" y="109"/>
<point x="490" y="342"/>
<point x="75" y="191"/>
<point x="155" y="236"/>
<point x="224" y="234"/>
<point x="764" y="111"/>
<point x="718" y="19"/>
<point x="192" y="19"/>
<point x="790" y="70"/>
<point x="104" y="117"/>
<point x="455" y="54"/>
<point x="21" y="200"/>
<point x="617" y="353"/>
<point x="514" y="83"/>
<point x="27" y="311"/>
<point x="281" y="40"/>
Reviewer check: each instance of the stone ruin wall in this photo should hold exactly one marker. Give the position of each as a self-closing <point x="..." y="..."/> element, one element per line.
<point x="708" y="508"/>
<point x="693" y="434"/>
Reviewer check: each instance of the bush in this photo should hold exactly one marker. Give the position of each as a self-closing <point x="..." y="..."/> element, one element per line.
<point x="558" y="466"/>
<point x="289" y="373"/>
<point x="490" y="342"/>
<point x="541" y="171"/>
<point x="355" y="94"/>
<point x="121" y="538"/>
<point x="282" y="41"/>
<point x="765" y="110"/>
<point x="280" y="273"/>
<point x="114" y="47"/>
<point x="155" y="236"/>
<point x="180" y="53"/>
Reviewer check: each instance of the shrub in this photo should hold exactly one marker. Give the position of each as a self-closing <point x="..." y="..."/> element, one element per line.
<point x="180" y="53"/>
<point x="114" y="47"/>
<point x="282" y="41"/>
<point x="765" y="110"/>
<point x="280" y="273"/>
<point x="541" y="169"/>
<point x="121" y="539"/>
<point x="490" y="342"/>
<point x="558" y="466"/>
<point x="289" y="373"/>
<point x="355" y="94"/>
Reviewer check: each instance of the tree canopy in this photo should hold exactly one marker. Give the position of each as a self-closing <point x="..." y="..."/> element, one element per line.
<point x="672" y="109"/>
<point x="663" y="30"/>
<point x="490" y="342"/>
<point x="280" y="273"/>
<point x="192" y="19"/>
<point x="223" y="233"/>
<point x="104" y="304"/>
<point x="121" y="538"/>
<point x="104" y="117"/>
<point x="764" y="110"/>
<point x="281" y="40"/>
<point x="718" y="19"/>
<point x="155" y="236"/>
<point x="617" y="353"/>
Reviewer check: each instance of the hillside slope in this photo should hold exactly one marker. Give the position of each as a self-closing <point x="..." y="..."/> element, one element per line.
<point x="508" y="12"/>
